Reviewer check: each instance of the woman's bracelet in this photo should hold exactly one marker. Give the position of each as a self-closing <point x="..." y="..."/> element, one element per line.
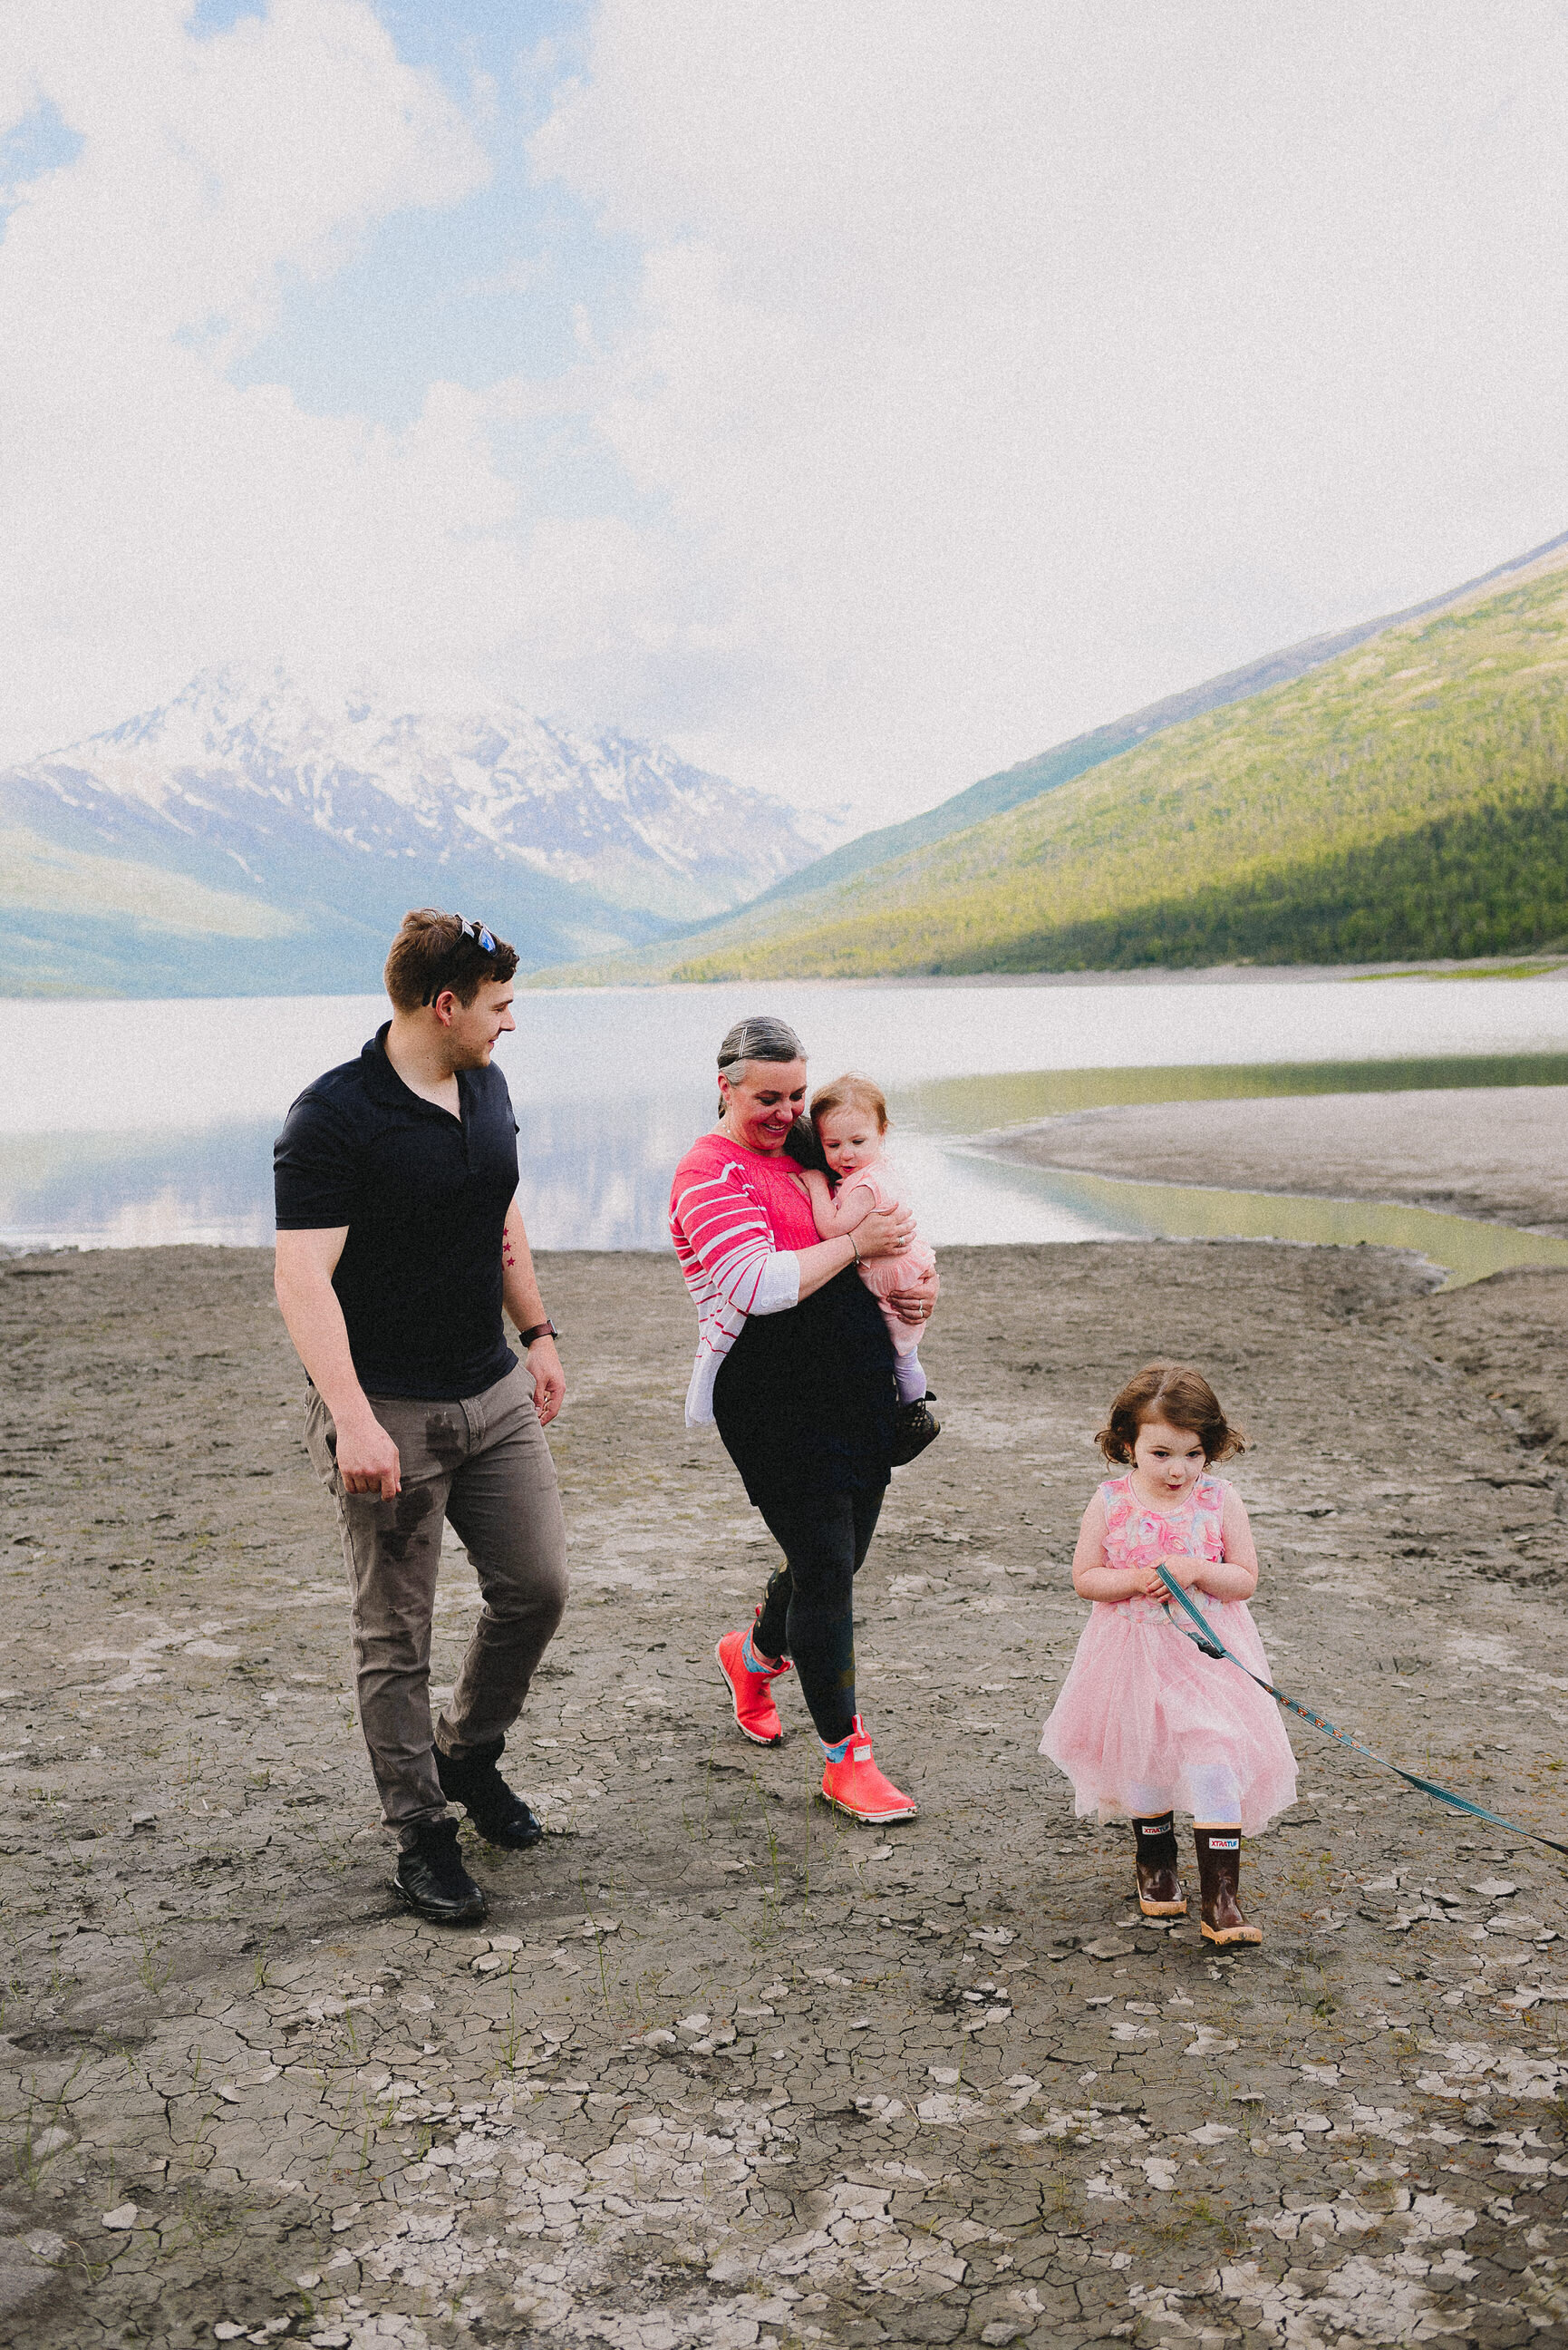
<point x="854" y="1244"/>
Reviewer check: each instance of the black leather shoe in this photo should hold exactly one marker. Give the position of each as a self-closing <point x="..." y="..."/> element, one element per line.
<point x="430" y="1878"/>
<point x="915" y="1425"/>
<point x="473" y="1779"/>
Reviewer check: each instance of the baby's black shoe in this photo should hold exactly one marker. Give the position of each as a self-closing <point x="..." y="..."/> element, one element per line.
<point x="915" y="1425"/>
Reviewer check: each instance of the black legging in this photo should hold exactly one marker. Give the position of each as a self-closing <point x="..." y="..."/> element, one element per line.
<point x="808" y="1611"/>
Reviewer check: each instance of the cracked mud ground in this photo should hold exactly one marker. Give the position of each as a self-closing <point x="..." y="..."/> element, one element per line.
<point x="720" y="2069"/>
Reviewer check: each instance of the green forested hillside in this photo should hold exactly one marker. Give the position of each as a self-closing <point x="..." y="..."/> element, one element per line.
<point x="1408" y="798"/>
<point x="994" y="795"/>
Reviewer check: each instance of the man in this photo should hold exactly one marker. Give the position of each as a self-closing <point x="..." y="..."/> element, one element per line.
<point x="398" y="1243"/>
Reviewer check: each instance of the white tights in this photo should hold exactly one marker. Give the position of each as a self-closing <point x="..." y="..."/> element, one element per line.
<point x="1216" y="1797"/>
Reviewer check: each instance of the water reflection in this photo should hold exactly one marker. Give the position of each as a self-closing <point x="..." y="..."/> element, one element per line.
<point x="593" y="1176"/>
<point x="176" y="1105"/>
<point x="1467" y="1249"/>
<point x="211" y="1185"/>
<point x="591" y="1182"/>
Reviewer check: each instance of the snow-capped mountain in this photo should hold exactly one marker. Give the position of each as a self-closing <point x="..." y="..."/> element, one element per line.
<point x="629" y="821"/>
<point x="331" y="814"/>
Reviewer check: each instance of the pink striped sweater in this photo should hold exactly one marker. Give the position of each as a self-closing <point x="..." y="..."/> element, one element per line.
<point x="737" y="1217"/>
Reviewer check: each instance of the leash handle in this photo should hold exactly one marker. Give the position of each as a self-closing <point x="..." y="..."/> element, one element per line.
<point x="1207" y="1639"/>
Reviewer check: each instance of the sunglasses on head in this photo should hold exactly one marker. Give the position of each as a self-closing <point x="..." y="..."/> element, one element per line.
<point x="483" y="939"/>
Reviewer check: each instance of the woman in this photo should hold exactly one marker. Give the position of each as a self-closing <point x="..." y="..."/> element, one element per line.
<point x="794" y="1364"/>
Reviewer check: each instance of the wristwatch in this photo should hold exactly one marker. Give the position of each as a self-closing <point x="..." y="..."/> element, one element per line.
<point x="538" y="1330"/>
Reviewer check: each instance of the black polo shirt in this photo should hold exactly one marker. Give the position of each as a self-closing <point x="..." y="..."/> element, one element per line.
<point x="424" y="1196"/>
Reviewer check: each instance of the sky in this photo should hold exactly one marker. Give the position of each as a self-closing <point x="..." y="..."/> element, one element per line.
<point x="859" y="399"/>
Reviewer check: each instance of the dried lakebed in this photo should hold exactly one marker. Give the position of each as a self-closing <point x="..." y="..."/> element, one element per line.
<point x="719" y="2069"/>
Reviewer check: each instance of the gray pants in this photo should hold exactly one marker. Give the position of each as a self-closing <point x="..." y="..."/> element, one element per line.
<point x="484" y="1465"/>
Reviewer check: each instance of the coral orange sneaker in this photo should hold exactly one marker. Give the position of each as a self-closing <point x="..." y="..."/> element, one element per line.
<point x="852" y="1782"/>
<point x="756" y="1716"/>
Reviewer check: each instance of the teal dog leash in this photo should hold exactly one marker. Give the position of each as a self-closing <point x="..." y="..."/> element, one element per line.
<point x="1204" y="1639"/>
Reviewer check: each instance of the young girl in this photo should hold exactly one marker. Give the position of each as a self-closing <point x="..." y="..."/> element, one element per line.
<point x="850" y="1120"/>
<point x="1146" y="1721"/>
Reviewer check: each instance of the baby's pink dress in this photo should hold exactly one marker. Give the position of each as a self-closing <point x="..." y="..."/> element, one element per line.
<point x="1144" y="1715"/>
<point x="883" y="1274"/>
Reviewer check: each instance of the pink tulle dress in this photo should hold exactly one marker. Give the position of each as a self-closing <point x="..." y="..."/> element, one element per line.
<point x="1145" y="1719"/>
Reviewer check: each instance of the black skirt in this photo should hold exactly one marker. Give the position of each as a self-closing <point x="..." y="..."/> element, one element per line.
<point x="805" y="1400"/>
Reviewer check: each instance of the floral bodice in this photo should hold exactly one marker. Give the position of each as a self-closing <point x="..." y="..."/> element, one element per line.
<point x="1137" y="1534"/>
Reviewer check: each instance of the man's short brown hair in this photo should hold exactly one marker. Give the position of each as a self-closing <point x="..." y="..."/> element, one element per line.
<point x="434" y="952"/>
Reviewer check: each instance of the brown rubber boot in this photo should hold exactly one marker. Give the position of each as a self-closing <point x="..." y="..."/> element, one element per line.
<point x="1219" y="1879"/>
<point x="1160" y="1891"/>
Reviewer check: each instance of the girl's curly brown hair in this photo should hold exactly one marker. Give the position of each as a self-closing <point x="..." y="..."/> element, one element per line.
<point x="1180" y="1397"/>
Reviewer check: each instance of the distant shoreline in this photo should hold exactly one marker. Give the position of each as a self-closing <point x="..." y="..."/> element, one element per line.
<point x="1294" y="974"/>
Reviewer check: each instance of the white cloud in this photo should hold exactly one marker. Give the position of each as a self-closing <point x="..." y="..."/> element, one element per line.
<point x="990" y="370"/>
<point x="1004" y="368"/>
<point x="154" y="517"/>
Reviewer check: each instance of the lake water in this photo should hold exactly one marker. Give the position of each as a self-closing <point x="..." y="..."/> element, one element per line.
<point x="124" y="1124"/>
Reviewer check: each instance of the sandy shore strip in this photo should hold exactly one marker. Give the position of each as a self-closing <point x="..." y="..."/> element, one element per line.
<point x="721" y="2070"/>
<point x="1499" y="1153"/>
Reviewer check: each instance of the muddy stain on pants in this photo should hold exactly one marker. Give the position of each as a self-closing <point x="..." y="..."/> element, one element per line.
<point x="483" y="1466"/>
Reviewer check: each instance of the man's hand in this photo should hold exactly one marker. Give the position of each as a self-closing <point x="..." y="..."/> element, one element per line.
<point x="549" y="1380"/>
<point x="368" y="1458"/>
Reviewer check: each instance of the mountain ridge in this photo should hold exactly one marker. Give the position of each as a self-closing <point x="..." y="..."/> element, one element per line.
<point x="301" y="832"/>
<point x="802" y="927"/>
<point x="1010" y="787"/>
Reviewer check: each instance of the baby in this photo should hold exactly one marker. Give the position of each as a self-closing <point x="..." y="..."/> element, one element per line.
<point x="850" y="1119"/>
